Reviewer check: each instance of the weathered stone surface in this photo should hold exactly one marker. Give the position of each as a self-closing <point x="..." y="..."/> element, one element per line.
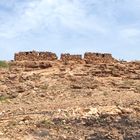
<point x="68" y="57"/>
<point x="98" y="58"/>
<point x="35" y="56"/>
<point x="30" y="65"/>
<point x="51" y="100"/>
<point x="89" y="57"/>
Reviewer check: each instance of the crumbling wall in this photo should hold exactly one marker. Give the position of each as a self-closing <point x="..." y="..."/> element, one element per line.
<point x="68" y="57"/>
<point x="35" y="56"/>
<point x="98" y="58"/>
<point x="89" y="57"/>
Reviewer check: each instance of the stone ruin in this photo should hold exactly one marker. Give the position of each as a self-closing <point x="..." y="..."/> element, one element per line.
<point x="89" y="58"/>
<point x="35" y="56"/>
<point x="68" y="57"/>
<point x="98" y="58"/>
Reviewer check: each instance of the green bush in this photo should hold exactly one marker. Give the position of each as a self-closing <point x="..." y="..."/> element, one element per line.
<point x="3" y="64"/>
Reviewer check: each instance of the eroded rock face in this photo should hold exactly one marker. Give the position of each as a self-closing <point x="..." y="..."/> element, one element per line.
<point x="30" y="65"/>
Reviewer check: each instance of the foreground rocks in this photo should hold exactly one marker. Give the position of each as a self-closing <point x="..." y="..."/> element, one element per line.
<point x="59" y="101"/>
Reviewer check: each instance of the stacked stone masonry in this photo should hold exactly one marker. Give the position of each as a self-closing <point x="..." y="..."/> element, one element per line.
<point x="68" y="57"/>
<point x="89" y="57"/>
<point x="35" y="56"/>
<point x="98" y="58"/>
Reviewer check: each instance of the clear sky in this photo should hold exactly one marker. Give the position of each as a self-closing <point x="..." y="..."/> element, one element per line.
<point x="73" y="26"/>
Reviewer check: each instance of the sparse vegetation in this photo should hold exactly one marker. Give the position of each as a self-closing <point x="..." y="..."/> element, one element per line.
<point x="3" y="64"/>
<point x="138" y="89"/>
<point x="12" y="124"/>
<point x="3" y="98"/>
<point x="105" y="93"/>
<point x="45" y="123"/>
<point x="44" y="87"/>
<point x="128" y="82"/>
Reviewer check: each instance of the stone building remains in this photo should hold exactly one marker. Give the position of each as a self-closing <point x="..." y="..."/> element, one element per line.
<point x="35" y="56"/>
<point x="89" y="57"/>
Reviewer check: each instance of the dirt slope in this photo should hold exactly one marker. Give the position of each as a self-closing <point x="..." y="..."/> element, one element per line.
<point x="71" y="102"/>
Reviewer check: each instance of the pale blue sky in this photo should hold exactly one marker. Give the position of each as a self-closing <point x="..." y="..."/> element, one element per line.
<point x="73" y="26"/>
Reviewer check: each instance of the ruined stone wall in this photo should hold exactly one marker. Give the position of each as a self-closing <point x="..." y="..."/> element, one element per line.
<point x="68" y="57"/>
<point x="35" y="56"/>
<point x="98" y="58"/>
<point x="89" y="57"/>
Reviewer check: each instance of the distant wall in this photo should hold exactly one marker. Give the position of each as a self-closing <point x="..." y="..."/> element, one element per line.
<point x="69" y="57"/>
<point x="89" y="57"/>
<point x="35" y="56"/>
<point x="98" y="58"/>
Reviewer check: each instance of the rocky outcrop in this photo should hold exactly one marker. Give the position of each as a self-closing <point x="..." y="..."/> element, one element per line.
<point x="98" y="101"/>
<point x="29" y="65"/>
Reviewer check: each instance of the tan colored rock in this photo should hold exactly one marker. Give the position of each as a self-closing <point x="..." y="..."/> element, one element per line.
<point x="68" y="57"/>
<point x="35" y="56"/>
<point x="98" y="58"/>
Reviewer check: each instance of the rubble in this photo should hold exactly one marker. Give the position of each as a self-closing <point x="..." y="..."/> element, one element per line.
<point x="93" y="99"/>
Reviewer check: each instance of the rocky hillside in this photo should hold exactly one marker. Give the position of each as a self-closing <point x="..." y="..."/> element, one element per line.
<point x="67" y="101"/>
